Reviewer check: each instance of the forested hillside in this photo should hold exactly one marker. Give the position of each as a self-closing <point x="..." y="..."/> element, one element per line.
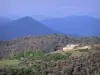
<point x="47" y="43"/>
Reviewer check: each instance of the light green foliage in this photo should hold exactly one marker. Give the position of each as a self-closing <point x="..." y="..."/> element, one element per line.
<point x="4" y="63"/>
<point x="80" y="53"/>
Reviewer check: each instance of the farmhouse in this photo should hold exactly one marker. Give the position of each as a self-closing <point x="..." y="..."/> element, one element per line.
<point x="71" y="47"/>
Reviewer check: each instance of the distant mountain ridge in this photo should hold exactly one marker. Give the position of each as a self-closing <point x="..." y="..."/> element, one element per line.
<point x="23" y="27"/>
<point x="71" y="26"/>
<point x="77" y="25"/>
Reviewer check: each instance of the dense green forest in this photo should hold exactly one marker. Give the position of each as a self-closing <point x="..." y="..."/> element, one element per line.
<point x="43" y="55"/>
<point x="54" y="63"/>
<point x="47" y="43"/>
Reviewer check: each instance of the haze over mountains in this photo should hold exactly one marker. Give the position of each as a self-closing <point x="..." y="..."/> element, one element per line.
<point x="71" y="25"/>
<point x="75" y="25"/>
<point x="23" y="27"/>
<point x="4" y="20"/>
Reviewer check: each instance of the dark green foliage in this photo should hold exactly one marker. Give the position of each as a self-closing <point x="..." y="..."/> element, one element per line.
<point x="55" y="57"/>
<point x="27" y="54"/>
<point x="18" y="55"/>
<point x="48" y="43"/>
<point x="36" y="62"/>
<point x="1" y="58"/>
<point x="79" y="66"/>
<point x="39" y="53"/>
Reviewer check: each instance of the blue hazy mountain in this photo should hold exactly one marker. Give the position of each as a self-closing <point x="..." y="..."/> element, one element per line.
<point x="4" y="21"/>
<point x="23" y="27"/>
<point x="76" y="25"/>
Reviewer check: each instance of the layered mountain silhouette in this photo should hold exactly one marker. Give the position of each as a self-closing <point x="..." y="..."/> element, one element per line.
<point x="23" y="27"/>
<point x="71" y="25"/>
<point x="75" y="25"/>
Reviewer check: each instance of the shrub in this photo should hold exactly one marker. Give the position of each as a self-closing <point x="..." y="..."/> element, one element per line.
<point x="26" y="54"/>
<point x="55" y="57"/>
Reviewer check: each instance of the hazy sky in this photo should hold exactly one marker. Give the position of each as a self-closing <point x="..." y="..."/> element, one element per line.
<point x="49" y="8"/>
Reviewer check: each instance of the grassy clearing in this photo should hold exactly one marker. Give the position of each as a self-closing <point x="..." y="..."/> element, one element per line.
<point x="61" y="52"/>
<point x="4" y="63"/>
<point x="77" y="53"/>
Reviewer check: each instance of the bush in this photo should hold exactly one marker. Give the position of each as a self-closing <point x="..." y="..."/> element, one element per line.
<point x="55" y="57"/>
<point x="79" y="66"/>
<point x="26" y="54"/>
<point x="40" y="53"/>
<point x="1" y="58"/>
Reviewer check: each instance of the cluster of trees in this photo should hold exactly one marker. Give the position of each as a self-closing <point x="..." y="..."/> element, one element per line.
<point x="36" y="62"/>
<point x="39" y="55"/>
<point x="56" y="64"/>
<point x="26" y="54"/>
<point x="48" y="43"/>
